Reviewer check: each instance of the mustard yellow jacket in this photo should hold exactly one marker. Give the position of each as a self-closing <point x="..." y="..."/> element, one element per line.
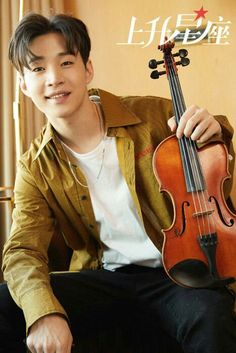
<point x="54" y="227"/>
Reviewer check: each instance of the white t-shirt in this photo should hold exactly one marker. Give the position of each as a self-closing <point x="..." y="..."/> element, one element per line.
<point x="121" y="229"/>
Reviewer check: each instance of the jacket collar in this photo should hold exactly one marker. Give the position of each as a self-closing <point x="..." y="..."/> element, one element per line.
<point x="116" y="114"/>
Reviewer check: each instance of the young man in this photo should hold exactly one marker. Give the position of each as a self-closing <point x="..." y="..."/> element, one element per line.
<point x="86" y="196"/>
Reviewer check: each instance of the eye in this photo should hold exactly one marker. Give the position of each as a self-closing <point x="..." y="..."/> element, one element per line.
<point x="67" y="63"/>
<point x="37" y="69"/>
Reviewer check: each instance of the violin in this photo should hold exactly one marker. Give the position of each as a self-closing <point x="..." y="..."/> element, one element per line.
<point x="199" y="248"/>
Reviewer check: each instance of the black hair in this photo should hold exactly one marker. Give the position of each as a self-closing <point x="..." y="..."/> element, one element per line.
<point x="33" y="25"/>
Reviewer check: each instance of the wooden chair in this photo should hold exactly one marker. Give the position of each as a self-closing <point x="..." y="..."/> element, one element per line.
<point x="6" y="206"/>
<point x="6" y="194"/>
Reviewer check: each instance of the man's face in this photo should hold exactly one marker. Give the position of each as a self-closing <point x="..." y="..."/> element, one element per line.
<point x="57" y="80"/>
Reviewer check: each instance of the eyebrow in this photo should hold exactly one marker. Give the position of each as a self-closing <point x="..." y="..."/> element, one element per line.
<point x="36" y="58"/>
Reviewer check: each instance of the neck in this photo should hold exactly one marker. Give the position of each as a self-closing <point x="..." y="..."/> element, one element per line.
<point x="84" y="132"/>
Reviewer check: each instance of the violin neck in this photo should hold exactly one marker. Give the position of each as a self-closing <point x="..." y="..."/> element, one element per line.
<point x="176" y="93"/>
<point x="188" y="150"/>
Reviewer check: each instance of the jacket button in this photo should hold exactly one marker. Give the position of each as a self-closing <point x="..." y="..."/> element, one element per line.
<point x="83" y="197"/>
<point x="91" y="226"/>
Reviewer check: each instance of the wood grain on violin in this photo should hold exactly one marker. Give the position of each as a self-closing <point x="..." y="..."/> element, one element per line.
<point x="199" y="248"/>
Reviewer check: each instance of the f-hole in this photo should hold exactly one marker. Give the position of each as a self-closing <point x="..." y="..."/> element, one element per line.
<point x="177" y="231"/>
<point x="227" y="224"/>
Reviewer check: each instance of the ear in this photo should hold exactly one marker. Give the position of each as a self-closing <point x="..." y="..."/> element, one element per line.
<point x="89" y="71"/>
<point x="23" y="86"/>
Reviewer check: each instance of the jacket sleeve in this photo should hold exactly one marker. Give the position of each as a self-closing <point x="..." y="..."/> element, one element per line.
<point x="25" y="259"/>
<point x="227" y="135"/>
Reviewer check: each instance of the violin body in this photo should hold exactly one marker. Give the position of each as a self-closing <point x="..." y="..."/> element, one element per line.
<point x="190" y="258"/>
<point x="199" y="248"/>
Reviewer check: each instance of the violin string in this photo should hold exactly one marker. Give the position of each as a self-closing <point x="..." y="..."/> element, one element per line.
<point x="190" y="144"/>
<point x="197" y="193"/>
<point x="180" y="108"/>
<point x="204" y="193"/>
<point x="188" y="154"/>
<point x="198" y="178"/>
<point x="177" y="115"/>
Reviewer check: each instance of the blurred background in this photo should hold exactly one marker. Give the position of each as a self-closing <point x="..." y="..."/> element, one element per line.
<point x="120" y="57"/>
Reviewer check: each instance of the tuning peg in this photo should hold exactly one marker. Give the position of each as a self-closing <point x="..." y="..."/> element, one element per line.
<point x="182" y="53"/>
<point x="153" y="63"/>
<point x="184" y="61"/>
<point x="156" y="74"/>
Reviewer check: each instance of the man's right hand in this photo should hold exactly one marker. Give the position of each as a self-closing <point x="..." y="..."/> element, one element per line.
<point x="50" y="334"/>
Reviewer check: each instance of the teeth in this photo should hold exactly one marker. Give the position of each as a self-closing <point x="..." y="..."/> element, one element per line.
<point x="58" y="96"/>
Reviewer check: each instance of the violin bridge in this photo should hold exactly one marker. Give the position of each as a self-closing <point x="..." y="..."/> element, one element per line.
<point x="203" y="213"/>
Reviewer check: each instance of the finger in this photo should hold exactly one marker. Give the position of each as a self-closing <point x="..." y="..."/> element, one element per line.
<point x="49" y="348"/>
<point x="34" y="350"/>
<point x="172" y="124"/>
<point x="202" y="129"/>
<point x="65" y="347"/>
<point x="200" y="126"/>
<point x="206" y="129"/>
<point x="41" y="347"/>
<point x="70" y="349"/>
<point x="30" y="345"/>
<point x="187" y="122"/>
<point x="207" y="134"/>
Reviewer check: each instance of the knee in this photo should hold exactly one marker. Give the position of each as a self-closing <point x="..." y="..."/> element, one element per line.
<point x="215" y="307"/>
<point x="212" y="327"/>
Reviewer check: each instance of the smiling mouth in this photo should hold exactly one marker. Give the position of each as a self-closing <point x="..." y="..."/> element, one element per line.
<point x="58" y="95"/>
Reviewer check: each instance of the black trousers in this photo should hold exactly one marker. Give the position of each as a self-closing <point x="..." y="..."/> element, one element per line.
<point x="200" y="320"/>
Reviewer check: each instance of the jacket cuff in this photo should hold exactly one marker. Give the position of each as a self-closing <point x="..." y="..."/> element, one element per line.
<point x="227" y="129"/>
<point x="38" y="303"/>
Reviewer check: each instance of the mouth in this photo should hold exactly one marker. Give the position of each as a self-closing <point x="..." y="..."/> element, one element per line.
<point x="57" y="95"/>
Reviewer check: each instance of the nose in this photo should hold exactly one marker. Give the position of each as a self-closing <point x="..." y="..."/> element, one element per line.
<point x="54" y="77"/>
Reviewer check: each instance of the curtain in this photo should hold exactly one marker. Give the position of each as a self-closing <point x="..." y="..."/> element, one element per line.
<point x="8" y="16"/>
<point x="31" y="120"/>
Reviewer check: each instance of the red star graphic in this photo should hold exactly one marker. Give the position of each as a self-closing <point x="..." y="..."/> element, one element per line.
<point x="200" y="13"/>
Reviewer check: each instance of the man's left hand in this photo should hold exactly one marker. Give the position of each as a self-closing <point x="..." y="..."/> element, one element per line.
<point x="196" y="123"/>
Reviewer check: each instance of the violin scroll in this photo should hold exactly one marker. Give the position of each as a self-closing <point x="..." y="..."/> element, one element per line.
<point x="168" y="59"/>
